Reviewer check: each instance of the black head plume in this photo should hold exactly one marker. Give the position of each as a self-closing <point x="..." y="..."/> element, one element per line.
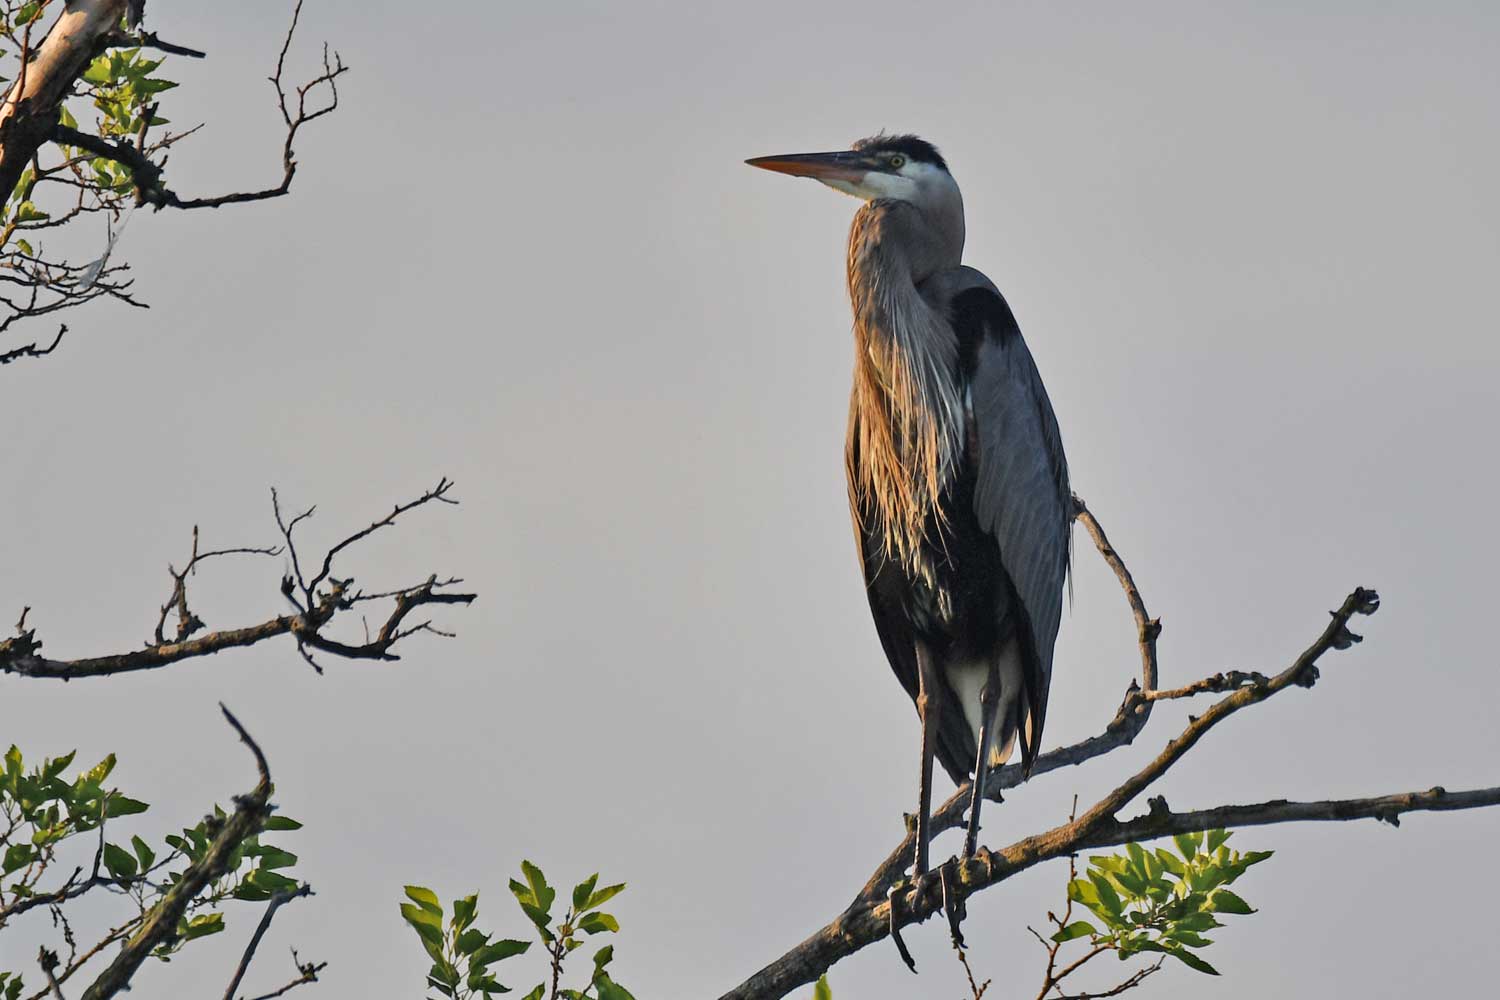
<point x="914" y="148"/>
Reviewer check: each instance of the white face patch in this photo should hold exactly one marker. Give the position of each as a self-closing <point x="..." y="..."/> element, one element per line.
<point x="904" y="185"/>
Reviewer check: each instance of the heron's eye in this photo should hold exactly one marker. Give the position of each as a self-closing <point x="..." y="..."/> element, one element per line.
<point x="897" y="162"/>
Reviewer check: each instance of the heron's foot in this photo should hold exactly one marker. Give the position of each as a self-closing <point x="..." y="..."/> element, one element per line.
<point x="954" y="907"/>
<point x="896" y="894"/>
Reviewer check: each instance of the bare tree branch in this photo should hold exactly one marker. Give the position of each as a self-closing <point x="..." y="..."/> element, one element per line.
<point x="48" y="961"/>
<point x="868" y="918"/>
<point x="307" y="972"/>
<point x="31" y="350"/>
<point x="275" y="903"/>
<point x="324" y="600"/>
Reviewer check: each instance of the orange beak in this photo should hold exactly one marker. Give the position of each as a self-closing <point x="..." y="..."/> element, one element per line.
<point x="843" y="166"/>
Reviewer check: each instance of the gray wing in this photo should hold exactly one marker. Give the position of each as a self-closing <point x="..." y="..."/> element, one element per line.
<point x="1021" y="494"/>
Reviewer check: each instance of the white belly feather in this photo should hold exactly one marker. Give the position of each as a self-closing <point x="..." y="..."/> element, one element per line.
<point x="967" y="681"/>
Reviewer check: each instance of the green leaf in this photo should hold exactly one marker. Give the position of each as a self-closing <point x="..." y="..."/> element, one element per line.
<point x="522" y="893"/>
<point x="540" y="918"/>
<point x="611" y="990"/>
<point x="463" y="911"/>
<point x="536" y="994"/>
<point x="1188" y="938"/>
<point x="203" y="925"/>
<point x="1187" y="844"/>
<point x="470" y="941"/>
<point x="1083" y="891"/>
<point x="604" y="895"/>
<point x="1224" y="901"/>
<point x="1108" y="898"/>
<point x="1134" y="885"/>
<point x="98" y="72"/>
<point x="52" y="768"/>
<point x="597" y="923"/>
<point x="282" y="823"/>
<point x="98" y="772"/>
<point x="275" y="857"/>
<point x="1171" y="862"/>
<point x="1200" y="921"/>
<point x="264" y="878"/>
<point x="1215" y="840"/>
<point x="540" y="890"/>
<point x="821" y="990"/>
<point x="419" y="916"/>
<point x="1193" y="961"/>
<point x="443" y="972"/>
<point x="143" y="852"/>
<point x="432" y="937"/>
<point x="603" y="956"/>
<point x="426" y="899"/>
<point x="497" y="951"/>
<point x="17" y="856"/>
<point x="124" y="805"/>
<point x="120" y="862"/>
<point x="28" y="13"/>
<point x="582" y="891"/>
<point x="1255" y="857"/>
<point x="1077" y="929"/>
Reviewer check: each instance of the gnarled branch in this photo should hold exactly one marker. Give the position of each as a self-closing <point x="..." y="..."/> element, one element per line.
<point x="321" y="601"/>
<point x="868" y="918"/>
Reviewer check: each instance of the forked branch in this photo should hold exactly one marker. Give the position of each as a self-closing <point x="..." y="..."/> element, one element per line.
<point x="868" y="918"/>
<point x="317" y="603"/>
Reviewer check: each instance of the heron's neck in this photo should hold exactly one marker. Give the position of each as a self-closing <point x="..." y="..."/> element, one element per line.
<point x="908" y="399"/>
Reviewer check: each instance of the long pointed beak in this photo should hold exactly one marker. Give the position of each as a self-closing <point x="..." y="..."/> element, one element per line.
<point x="842" y="166"/>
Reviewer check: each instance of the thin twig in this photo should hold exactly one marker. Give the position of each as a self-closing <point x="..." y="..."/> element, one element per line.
<point x="275" y="903"/>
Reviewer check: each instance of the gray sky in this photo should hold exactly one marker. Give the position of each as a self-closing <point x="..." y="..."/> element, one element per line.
<point x="1254" y="253"/>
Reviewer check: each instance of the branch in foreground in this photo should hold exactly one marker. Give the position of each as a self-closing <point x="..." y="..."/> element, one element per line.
<point x="868" y="918"/>
<point x="320" y="602"/>
<point x="249" y="817"/>
<point x="865" y="923"/>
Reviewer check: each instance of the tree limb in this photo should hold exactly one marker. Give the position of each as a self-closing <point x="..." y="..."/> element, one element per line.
<point x="249" y="817"/>
<point x="29" y="110"/>
<point x="321" y="602"/>
<point x="868" y="918"/>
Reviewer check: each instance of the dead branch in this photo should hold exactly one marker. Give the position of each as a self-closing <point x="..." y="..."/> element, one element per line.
<point x="868" y="918"/>
<point x="320" y="603"/>
<point x="307" y="972"/>
<point x="275" y="903"/>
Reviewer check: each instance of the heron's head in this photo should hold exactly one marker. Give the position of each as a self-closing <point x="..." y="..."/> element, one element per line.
<point x="898" y="167"/>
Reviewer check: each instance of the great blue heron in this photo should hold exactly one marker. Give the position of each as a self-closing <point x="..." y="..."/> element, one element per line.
<point x="957" y="480"/>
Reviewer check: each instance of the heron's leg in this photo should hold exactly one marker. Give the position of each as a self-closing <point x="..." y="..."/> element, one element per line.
<point x="929" y="702"/>
<point x="989" y="700"/>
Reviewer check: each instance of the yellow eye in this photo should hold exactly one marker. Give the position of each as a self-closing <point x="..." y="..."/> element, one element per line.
<point x="897" y="162"/>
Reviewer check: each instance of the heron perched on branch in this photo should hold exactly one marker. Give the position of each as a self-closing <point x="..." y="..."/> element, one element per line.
<point x="957" y="479"/>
